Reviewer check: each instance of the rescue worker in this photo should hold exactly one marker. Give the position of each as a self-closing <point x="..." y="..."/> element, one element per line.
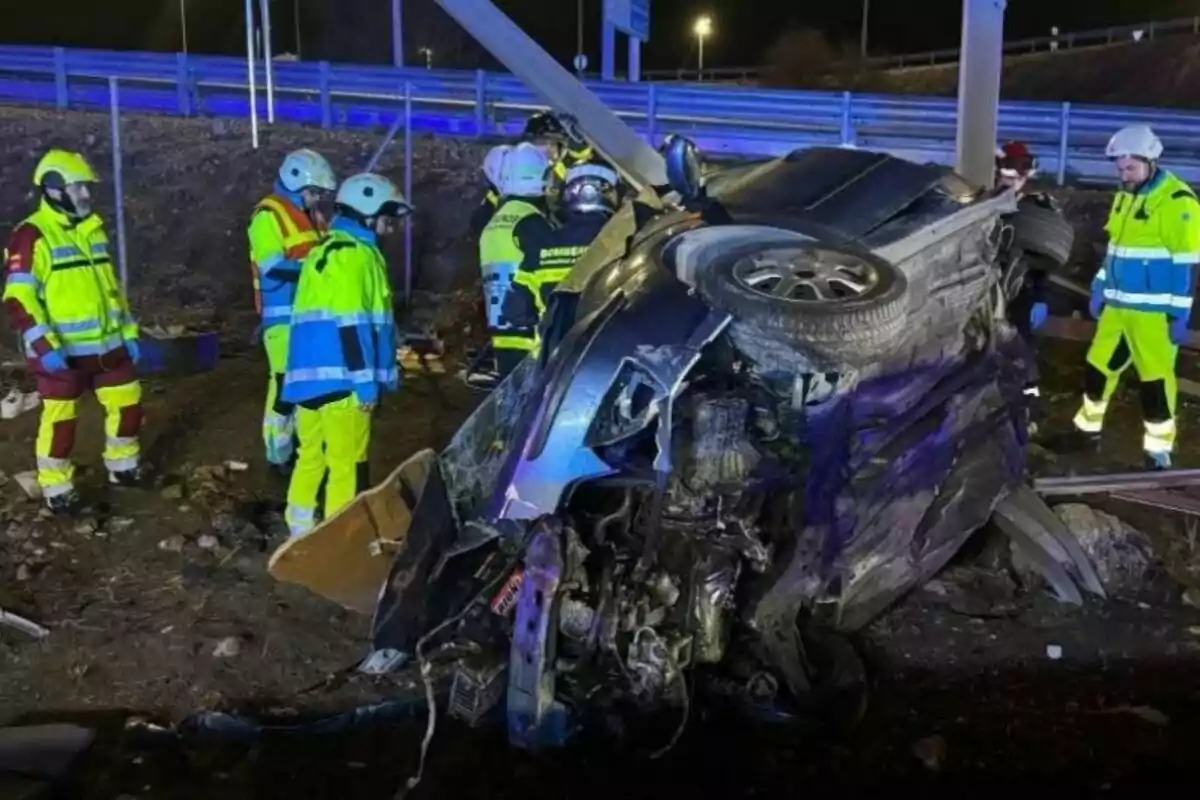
<point x="1027" y="308"/>
<point x="493" y="163"/>
<point x="563" y="145"/>
<point x="1142" y="294"/>
<point x="73" y="316"/>
<point x="523" y="207"/>
<point x="285" y="226"/>
<point x="588" y="201"/>
<point x="342" y="349"/>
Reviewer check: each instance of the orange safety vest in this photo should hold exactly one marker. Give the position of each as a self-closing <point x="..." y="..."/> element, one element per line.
<point x="300" y="235"/>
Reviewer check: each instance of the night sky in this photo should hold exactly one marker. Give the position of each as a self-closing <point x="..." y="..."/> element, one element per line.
<point x="744" y="28"/>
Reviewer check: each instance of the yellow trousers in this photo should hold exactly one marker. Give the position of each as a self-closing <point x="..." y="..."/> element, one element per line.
<point x="334" y="441"/>
<point x="279" y="423"/>
<point x="56" y="436"/>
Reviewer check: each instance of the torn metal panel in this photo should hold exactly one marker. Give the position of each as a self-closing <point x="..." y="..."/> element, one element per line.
<point x="1084" y="570"/>
<point x="1041" y="551"/>
<point x="638" y="162"/>
<point x="651" y="330"/>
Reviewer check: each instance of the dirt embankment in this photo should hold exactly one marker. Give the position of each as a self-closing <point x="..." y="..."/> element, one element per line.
<point x="1158" y="73"/>
<point x="190" y="186"/>
<point x="1148" y="73"/>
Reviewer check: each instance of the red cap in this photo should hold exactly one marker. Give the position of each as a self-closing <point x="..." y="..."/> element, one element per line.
<point x="1014" y="159"/>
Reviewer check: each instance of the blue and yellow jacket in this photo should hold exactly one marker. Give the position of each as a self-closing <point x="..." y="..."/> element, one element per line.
<point x="1153" y="248"/>
<point x="281" y="236"/>
<point x="343" y="334"/>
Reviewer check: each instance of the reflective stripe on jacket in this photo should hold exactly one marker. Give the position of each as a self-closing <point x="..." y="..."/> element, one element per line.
<point x="1153" y="249"/>
<point x="66" y="286"/>
<point x="281" y="236"/>
<point x="343" y="335"/>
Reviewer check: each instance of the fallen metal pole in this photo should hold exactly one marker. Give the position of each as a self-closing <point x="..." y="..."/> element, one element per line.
<point x="408" y="180"/>
<point x="1116" y="482"/>
<point x="1167" y="501"/>
<point x="264" y="7"/>
<point x="391" y="134"/>
<point x="114" y="110"/>
<point x="250" y="77"/>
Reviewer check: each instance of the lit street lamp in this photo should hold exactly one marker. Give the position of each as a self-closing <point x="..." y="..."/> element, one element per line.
<point x="703" y="29"/>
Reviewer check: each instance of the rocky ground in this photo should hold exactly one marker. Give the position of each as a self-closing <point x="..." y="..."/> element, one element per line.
<point x="159" y="604"/>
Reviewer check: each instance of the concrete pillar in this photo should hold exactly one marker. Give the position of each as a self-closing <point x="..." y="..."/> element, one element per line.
<point x="979" y="69"/>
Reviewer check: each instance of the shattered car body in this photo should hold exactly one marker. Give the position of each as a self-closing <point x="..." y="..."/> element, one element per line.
<point x="759" y="419"/>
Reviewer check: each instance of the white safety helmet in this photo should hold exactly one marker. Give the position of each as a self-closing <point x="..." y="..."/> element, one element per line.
<point x="302" y="169"/>
<point x="588" y="188"/>
<point x="1138" y="141"/>
<point x="525" y="171"/>
<point x="493" y="164"/>
<point x="372" y="195"/>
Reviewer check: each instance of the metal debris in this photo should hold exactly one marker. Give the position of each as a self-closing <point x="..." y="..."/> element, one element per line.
<point x="1144" y="713"/>
<point x="228" y="647"/>
<point x="29" y="484"/>
<point x="19" y="623"/>
<point x="931" y="751"/>
<point x="172" y="544"/>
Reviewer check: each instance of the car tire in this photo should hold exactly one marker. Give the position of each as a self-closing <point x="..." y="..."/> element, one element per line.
<point x="1043" y="231"/>
<point x="843" y="306"/>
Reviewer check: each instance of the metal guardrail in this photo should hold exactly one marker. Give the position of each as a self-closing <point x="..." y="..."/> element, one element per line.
<point x="731" y="121"/>
<point x="1072" y="40"/>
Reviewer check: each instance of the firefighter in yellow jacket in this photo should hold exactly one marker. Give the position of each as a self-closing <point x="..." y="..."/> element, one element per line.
<point x="342" y="352"/>
<point x="1142" y="294"/>
<point x="285" y="226"/>
<point x="519" y="226"/>
<point x="63" y="297"/>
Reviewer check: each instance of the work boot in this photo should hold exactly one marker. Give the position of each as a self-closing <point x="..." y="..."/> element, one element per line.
<point x="482" y="378"/>
<point x="65" y="504"/>
<point x="1156" y="462"/>
<point x="126" y="478"/>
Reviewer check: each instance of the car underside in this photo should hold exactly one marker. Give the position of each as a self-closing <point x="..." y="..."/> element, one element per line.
<point x="758" y="418"/>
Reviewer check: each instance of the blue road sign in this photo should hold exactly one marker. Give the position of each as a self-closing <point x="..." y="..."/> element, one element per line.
<point x="631" y="17"/>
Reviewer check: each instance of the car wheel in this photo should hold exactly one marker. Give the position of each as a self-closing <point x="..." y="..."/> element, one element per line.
<point x="1043" y="231"/>
<point x="835" y="303"/>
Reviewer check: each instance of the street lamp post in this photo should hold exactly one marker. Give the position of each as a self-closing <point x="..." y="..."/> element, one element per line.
<point x="703" y="29"/>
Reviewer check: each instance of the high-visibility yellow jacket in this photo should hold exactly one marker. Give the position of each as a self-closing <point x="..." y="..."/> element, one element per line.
<point x="281" y="235"/>
<point x="343" y="332"/>
<point x="1153" y="248"/>
<point x="501" y="251"/>
<point x="60" y="288"/>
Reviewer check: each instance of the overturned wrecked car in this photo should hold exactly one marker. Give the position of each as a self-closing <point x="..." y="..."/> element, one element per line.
<point x="760" y="415"/>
